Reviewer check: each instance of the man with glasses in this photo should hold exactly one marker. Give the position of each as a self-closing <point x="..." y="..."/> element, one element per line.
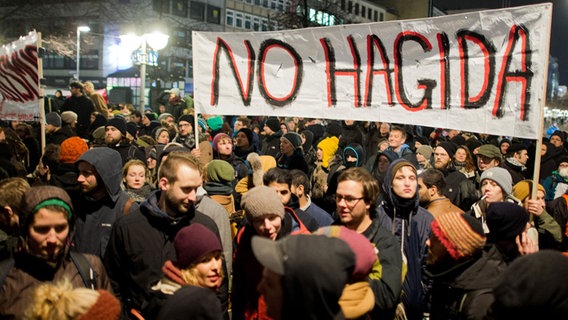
<point x="356" y="201"/>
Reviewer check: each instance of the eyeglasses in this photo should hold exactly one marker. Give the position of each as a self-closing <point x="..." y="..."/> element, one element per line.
<point x="350" y="201"/>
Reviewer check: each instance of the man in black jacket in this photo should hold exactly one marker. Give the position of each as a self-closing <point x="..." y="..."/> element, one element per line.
<point x="82" y="106"/>
<point x="141" y="242"/>
<point x="356" y="201"/>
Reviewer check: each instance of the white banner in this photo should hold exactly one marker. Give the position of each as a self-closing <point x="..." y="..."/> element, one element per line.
<point x="481" y="71"/>
<point x="19" y="80"/>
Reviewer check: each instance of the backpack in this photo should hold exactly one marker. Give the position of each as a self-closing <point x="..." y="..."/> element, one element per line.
<point x="86" y="271"/>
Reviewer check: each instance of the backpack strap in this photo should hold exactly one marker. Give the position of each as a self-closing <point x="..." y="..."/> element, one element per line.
<point x="5" y="266"/>
<point x="85" y="269"/>
<point x="468" y="297"/>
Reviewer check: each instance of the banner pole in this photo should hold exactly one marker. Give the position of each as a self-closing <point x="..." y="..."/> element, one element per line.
<point x="537" y="156"/>
<point x="41" y="93"/>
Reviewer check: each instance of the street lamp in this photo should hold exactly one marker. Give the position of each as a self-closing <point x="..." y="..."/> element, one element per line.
<point x="79" y="30"/>
<point x="156" y="41"/>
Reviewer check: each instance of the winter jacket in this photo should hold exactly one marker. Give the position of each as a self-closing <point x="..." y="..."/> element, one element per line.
<point x="555" y="186"/>
<point x="140" y="244"/>
<point x="442" y="205"/>
<point x="387" y="285"/>
<point x="129" y="152"/>
<point x="247" y="271"/>
<point x="29" y="272"/>
<point x="95" y="217"/>
<point x="271" y="144"/>
<point x="83" y="107"/>
<point x="295" y="161"/>
<point x="465" y="291"/>
<point x="410" y="224"/>
<point x="321" y="217"/>
<point x="218" y="214"/>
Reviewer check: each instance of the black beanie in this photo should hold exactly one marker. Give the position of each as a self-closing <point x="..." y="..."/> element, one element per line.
<point x="248" y="133"/>
<point x="119" y="123"/>
<point x="450" y="148"/>
<point x="505" y="221"/>
<point x="273" y="124"/>
<point x="187" y="117"/>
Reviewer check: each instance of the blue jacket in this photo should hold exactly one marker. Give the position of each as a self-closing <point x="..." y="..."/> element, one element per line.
<point x="410" y="224"/>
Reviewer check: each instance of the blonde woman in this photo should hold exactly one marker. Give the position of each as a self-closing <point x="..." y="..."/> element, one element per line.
<point x="60" y="301"/>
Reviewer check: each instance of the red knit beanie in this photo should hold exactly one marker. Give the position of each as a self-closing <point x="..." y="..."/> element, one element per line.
<point x="461" y="235"/>
<point x="71" y="149"/>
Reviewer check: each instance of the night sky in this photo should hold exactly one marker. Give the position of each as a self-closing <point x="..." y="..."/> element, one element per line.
<point x="559" y="36"/>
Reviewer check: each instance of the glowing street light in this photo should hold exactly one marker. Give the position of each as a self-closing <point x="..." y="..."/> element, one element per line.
<point x="156" y="41"/>
<point x="79" y="30"/>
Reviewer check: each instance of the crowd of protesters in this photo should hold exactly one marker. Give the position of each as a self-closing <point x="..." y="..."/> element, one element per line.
<point x="146" y="216"/>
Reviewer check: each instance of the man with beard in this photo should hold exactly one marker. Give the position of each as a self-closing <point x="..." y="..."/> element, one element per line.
<point x="46" y="223"/>
<point x="115" y="138"/>
<point x="100" y="201"/>
<point x="431" y="193"/>
<point x="557" y="184"/>
<point x="443" y="155"/>
<point x="141" y="242"/>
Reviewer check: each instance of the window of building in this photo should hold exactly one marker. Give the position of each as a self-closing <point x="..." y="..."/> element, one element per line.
<point x="280" y="5"/>
<point x="356" y="11"/>
<point x="369" y="13"/>
<point x="265" y="25"/>
<point x="376" y="16"/>
<point x="265" y="3"/>
<point x="197" y="10"/>
<point x="213" y="14"/>
<point x="363" y="11"/>
<point x="256" y="24"/>
<point x="230" y="17"/>
<point x="180" y="8"/>
<point x="342" y="5"/>
<point x="382" y="16"/>
<point x="248" y="22"/>
<point x="162" y="6"/>
<point x="350" y="6"/>
<point x="257" y="2"/>
<point x="239" y="20"/>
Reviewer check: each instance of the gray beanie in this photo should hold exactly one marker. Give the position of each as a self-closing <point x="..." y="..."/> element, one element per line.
<point x="53" y="119"/>
<point x="426" y="151"/>
<point x="501" y="176"/>
<point x="262" y="200"/>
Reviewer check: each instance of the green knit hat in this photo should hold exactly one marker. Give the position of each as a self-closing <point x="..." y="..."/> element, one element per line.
<point x="220" y="171"/>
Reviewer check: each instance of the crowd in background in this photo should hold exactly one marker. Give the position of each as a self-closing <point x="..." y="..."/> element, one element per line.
<point x="255" y="217"/>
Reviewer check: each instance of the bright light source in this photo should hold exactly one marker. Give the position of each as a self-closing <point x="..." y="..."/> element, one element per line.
<point x="130" y="41"/>
<point x="83" y="29"/>
<point x="157" y="40"/>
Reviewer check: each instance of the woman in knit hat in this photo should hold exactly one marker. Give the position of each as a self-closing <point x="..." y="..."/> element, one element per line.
<point x="291" y="155"/>
<point x="199" y="256"/>
<point x="266" y="217"/>
<point x="496" y="186"/>
<point x="162" y="135"/>
<point x="136" y="180"/>
<point x="61" y="301"/>
<point x="46" y="224"/>
<point x="549" y="231"/>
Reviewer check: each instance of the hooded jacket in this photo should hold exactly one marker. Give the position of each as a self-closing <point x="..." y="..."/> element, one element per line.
<point x="140" y="244"/>
<point x="95" y="217"/>
<point x="410" y="224"/>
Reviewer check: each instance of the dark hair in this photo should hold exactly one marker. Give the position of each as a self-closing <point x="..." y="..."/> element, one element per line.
<point x="300" y="178"/>
<point x="434" y="177"/>
<point x="277" y="175"/>
<point x="136" y="113"/>
<point x="50" y="157"/>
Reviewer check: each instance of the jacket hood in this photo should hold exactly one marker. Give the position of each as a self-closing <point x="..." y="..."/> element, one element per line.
<point x="387" y="183"/>
<point x="108" y="164"/>
<point x="354" y="149"/>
